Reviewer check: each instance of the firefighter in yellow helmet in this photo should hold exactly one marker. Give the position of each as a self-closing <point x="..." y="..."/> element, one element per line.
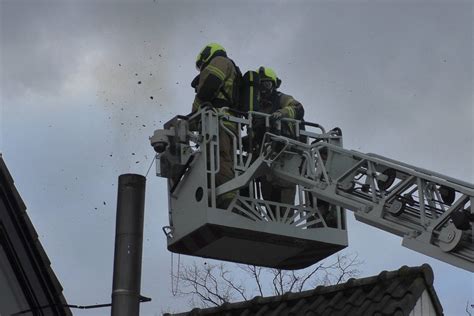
<point x="217" y="74"/>
<point x="276" y="103"/>
<point x="215" y="85"/>
<point x="279" y="105"/>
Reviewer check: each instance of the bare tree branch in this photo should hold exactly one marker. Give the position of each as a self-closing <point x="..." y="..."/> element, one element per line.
<point x="293" y="281"/>
<point x="347" y="267"/>
<point x="214" y="284"/>
<point x="202" y="284"/>
<point x="275" y="281"/>
<point x="255" y="272"/>
<point x="307" y="277"/>
<point x="238" y="288"/>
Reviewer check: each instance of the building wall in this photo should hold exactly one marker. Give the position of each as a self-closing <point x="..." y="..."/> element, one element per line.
<point x="424" y="306"/>
<point x="12" y="299"/>
<point x="26" y="278"/>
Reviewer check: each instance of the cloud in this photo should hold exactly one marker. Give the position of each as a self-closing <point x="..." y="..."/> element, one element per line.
<point x="397" y="77"/>
<point x="46" y="47"/>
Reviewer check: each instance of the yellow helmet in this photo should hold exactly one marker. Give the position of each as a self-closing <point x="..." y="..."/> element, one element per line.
<point x="207" y="53"/>
<point x="266" y="73"/>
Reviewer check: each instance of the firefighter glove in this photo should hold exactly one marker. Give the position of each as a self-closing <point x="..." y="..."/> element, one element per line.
<point x="277" y="115"/>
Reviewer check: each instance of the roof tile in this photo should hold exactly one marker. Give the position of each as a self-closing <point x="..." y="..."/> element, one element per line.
<point x="388" y="293"/>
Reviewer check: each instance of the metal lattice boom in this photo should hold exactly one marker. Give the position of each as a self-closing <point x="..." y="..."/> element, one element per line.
<point x="432" y="213"/>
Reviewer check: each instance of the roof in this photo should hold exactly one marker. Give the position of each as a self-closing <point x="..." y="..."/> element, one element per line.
<point x="389" y="293"/>
<point x="28" y="261"/>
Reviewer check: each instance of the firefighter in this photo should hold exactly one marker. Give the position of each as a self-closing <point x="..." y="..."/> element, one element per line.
<point x="279" y="105"/>
<point x="215" y="86"/>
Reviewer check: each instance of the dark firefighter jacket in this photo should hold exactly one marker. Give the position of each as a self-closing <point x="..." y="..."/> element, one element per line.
<point x="286" y="104"/>
<point x="216" y="84"/>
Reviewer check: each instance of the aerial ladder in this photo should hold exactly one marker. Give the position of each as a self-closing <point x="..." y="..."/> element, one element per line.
<point x="432" y="212"/>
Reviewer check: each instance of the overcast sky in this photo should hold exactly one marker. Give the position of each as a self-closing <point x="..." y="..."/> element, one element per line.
<point x="396" y="76"/>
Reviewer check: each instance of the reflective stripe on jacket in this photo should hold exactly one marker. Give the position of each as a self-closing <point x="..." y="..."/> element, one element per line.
<point x="216" y="84"/>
